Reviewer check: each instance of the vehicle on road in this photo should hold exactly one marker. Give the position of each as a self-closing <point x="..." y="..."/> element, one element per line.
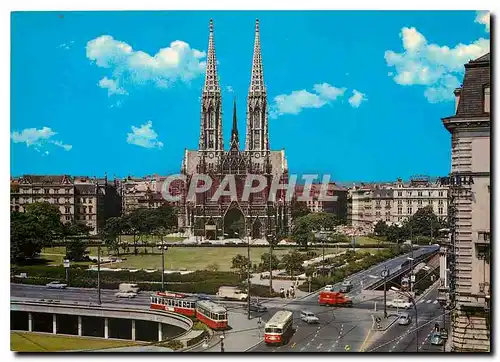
<point x="404" y="319"/>
<point x="279" y="328"/>
<point x="211" y="314"/>
<point x="128" y="288"/>
<point x="257" y="307"/>
<point x="56" y="285"/>
<point x="328" y="288"/>
<point x="308" y="317"/>
<point x="204" y="297"/>
<point x="345" y="288"/>
<point x="334" y="298"/>
<point x="125" y="295"/>
<point x="233" y="293"/>
<point x="399" y="303"/>
<point x="436" y="339"/>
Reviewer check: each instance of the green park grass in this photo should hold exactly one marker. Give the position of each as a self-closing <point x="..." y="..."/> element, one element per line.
<point x="34" y="342"/>
<point x="189" y="258"/>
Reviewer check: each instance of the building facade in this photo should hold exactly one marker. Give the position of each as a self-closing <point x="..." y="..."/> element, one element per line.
<point x="470" y="204"/>
<point x="80" y="199"/>
<point x="337" y="207"/>
<point x="258" y="217"/>
<point x="394" y="202"/>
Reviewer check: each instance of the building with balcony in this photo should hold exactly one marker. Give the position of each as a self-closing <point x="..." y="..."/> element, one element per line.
<point x="468" y="251"/>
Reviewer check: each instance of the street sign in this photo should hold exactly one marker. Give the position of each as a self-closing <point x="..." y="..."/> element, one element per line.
<point x="384" y="273"/>
<point x="66" y="263"/>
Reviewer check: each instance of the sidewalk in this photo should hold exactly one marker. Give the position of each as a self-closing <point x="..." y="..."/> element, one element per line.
<point x="243" y="335"/>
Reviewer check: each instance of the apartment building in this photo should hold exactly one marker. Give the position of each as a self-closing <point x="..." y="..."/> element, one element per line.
<point x="469" y="249"/>
<point x="394" y="202"/>
<point x="337" y="207"/>
<point x="80" y="199"/>
<point x="144" y="192"/>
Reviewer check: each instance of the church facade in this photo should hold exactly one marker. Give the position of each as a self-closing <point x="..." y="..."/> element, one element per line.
<point x="258" y="216"/>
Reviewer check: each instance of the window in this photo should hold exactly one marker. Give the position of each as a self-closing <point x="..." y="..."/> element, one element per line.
<point x="46" y="191"/>
<point x="68" y="217"/>
<point x="410" y="210"/>
<point x="400" y="202"/>
<point x="400" y="210"/>
<point x="409" y="202"/>
<point x="440" y="202"/>
<point x="377" y="213"/>
<point x="67" y="200"/>
<point x="85" y="209"/>
<point x="67" y="210"/>
<point x="440" y="210"/>
<point x="67" y="191"/>
<point x="487" y="99"/>
<point x="408" y="193"/>
<point x="90" y="209"/>
<point x="387" y="203"/>
<point x="377" y="203"/>
<point x="400" y="193"/>
<point x="419" y="193"/>
<point x="440" y="193"/>
<point x="420" y="202"/>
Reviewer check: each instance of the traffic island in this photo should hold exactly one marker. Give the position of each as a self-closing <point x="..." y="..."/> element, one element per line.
<point x="381" y="324"/>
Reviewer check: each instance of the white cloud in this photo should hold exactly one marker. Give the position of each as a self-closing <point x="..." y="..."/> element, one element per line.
<point x="144" y="136"/>
<point x="483" y="17"/>
<point x="112" y="86"/>
<point x="357" y="98"/>
<point x="178" y="62"/>
<point x="32" y="136"/>
<point x="38" y="138"/>
<point x="296" y="101"/>
<point x="326" y="91"/>
<point x="229" y="89"/>
<point x="436" y="67"/>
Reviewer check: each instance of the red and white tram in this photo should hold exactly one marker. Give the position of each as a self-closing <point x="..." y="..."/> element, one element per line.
<point x="174" y="302"/>
<point x="211" y="314"/>
<point x="279" y="328"/>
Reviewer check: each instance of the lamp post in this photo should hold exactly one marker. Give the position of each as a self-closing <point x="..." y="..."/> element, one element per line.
<point x="442" y="301"/>
<point x="99" y="273"/>
<point x="412" y="301"/>
<point x="222" y="343"/>
<point x="163" y="247"/>
<point x="271" y="239"/>
<point x="385" y="273"/>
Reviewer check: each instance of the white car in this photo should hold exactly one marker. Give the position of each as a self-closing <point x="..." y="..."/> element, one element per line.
<point x="125" y="295"/>
<point x="399" y="303"/>
<point x="328" y="288"/>
<point x="56" y="285"/>
<point x="308" y="317"/>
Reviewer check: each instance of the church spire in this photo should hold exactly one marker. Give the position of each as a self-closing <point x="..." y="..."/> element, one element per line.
<point x="211" y="102"/>
<point x="257" y="126"/>
<point x="235" y="140"/>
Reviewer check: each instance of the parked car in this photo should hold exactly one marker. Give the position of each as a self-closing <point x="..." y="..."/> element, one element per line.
<point x="308" y="317"/>
<point x="345" y="288"/>
<point x="56" y="285"/>
<point x="257" y="307"/>
<point x="399" y="303"/>
<point x="404" y="319"/>
<point x="347" y="283"/>
<point x="233" y="293"/>
<point x="204" y="297"/>
<point x="125" y="295"/>
<point x="436" y="339"/>
<point x="328" y="288"/>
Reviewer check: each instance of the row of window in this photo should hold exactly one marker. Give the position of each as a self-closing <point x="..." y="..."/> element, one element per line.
<point x="212" y="315"/>
<point x="173" y="302"/>
<point x="420" y="193"/>
<point x="45" y="191"/>
<point x="420" y="202"/>
<point x="410" y="210"/>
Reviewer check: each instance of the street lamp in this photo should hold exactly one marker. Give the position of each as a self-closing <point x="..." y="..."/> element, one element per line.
<point x="270" y="237"/>
<point x="163" y="247"/>
<point x="222" y="343"/>
<point x="412" y="301"/>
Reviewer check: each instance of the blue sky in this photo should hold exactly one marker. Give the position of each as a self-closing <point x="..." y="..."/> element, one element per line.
<point x="358" y="95"/>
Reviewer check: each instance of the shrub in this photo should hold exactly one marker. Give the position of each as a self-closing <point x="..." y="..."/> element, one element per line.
<point x="173" y="344"/>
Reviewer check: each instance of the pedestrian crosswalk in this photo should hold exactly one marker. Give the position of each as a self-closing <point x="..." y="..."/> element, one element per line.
<point x="428" y="301"/>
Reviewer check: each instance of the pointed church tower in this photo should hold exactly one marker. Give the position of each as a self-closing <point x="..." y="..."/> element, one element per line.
<point x="211" y="103"/>
<point x="257" y="138"/>
<point x="235" y="139"/>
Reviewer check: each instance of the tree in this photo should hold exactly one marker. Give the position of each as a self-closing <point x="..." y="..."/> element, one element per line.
<point x="48" y="217"/>
<point x="292" y="261"/>
<point x="110" y="233"/>
<point x="298" y="209"/>
<point x="266" y="259"/>
<point x="301" y="232"/>
<point x="241" y="263"/>
<point x="380" y="228"/>
<point x="213" y="267"/>
<point x="26" y="236"/>
<point x="76" y="250"/>
<point x="423" y="221"/>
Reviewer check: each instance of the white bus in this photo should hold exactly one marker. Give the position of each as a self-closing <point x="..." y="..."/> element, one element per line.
<point x="279" y="329"/>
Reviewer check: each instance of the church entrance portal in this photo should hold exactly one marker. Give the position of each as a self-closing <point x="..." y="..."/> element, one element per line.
<point x="234" y="224"/>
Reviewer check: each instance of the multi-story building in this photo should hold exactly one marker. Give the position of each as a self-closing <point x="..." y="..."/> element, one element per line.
<point x="80" y="199"/>
<point x="145" y="192"/>
<point x="337" y="207"/>
<point x="470" y="205"/>
<point x="394" y="202"/>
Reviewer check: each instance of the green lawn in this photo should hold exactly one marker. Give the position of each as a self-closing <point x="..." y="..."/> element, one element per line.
<point x="361" y="240"/>
<point x="34" y="342"/>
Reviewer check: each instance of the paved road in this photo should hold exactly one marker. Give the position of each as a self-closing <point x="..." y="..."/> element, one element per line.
<point x="403" y="338"/>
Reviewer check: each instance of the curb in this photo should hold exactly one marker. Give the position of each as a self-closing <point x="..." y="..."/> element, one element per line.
<point x="256" y="344"/>
<point x="387" y="327"/>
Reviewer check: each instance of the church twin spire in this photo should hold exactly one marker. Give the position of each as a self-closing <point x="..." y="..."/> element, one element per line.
<point x="211" y="119"/>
